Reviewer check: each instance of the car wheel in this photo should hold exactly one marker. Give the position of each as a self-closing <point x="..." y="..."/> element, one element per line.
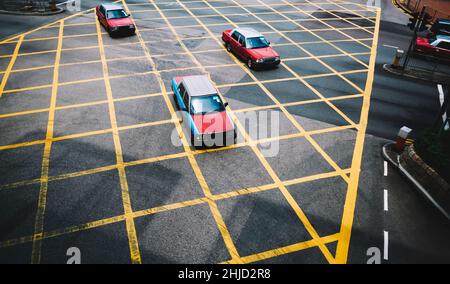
<point x="228" y="46"/>
<point x="250" y="64"/>
<point x="193" y="141"/>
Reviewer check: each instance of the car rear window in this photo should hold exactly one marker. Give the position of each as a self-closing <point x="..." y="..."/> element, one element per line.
<point x="206" y="104"/>
<point x="117" y="14"/>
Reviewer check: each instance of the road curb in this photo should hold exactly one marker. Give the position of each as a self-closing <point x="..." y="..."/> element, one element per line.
<point x="33" y="13"/>
<point x="400" y="6"/>
<point x="438" y="78"/>
<point x="413" y="168"/>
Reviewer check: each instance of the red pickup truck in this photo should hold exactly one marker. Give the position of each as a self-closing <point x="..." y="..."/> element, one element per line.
<point x="250" y="46"/>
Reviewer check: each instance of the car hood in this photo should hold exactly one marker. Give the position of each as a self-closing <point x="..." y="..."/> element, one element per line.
<point x="422" y="40"/>
<point x="215" y="122"/>
<point x="266" y="52"/>
<point x="120" y="22"/>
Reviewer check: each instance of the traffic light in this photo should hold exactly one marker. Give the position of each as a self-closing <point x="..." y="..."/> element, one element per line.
<point x="413" y="21"/>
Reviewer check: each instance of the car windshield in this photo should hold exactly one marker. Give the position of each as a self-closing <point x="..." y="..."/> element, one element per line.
<point x="117" y="14"/>
<point x="431" y="39"/>
<point x="206" y="104"/>
<point x="257" y="42"/>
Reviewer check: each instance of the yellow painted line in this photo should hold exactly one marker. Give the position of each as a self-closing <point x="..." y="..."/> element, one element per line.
<point x="10" y="65"/>
<point x="257" y="108"/>
<point x="325" y="23"/>
<point x="131" y="58"/>
<point x="342" y="114"/>
<point x="27" y="112"/>
<point x="212" y="205"/>
<point x="8" y="40"/>
<point x="193" y="38"/>
<point x="94" y="103"/>
<point x="42" y="200"/>
<point x="351" y="11"/>
<point x="261" y="158"/>
<point x="339" y="30"/>
<point x="352" y="191"/>
<point x="129" y="221"/>
<point x="287" y="114"/>
<point x="159" y="209"/>
<point x="286" y="250"/>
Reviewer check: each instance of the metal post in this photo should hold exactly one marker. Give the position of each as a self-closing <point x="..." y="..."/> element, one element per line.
<point x="419" y="21"/>
<point x="53" y="5"/>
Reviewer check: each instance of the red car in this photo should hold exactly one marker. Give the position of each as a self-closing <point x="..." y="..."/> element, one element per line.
<point x="435" y="45"/>
<point x="115" y="20"/>
<point x="203" y="112"/>
<point x="250" y="46"/>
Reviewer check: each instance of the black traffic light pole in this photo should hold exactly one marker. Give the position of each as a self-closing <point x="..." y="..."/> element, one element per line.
<point x="415" y="23"/>
<point x="53" y="5"/>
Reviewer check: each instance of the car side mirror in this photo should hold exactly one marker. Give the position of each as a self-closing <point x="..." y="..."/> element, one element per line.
<point x="268" y="42"/>
<point x="225" y="104"/>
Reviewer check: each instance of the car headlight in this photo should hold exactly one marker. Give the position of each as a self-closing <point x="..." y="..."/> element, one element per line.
<point x="198" y="137"/>
<point x="277" y="58"/>
<point x="260" y="60"/>
<point x="114" y="28"/>
<point x="131" y="26"/>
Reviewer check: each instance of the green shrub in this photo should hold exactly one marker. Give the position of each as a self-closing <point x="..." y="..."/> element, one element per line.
<point x="434" y="149"/>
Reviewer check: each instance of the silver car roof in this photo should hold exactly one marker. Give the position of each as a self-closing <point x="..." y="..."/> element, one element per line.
<point x="443" y="37"/>
<point x="198" y="85"/>
<point x="110" y="7"/>
<point x="248" y="32"/>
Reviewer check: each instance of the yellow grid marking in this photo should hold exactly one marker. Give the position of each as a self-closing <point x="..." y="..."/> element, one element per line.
<point x="42" y="199"/>
<point x="163" y="208"/>
<point x="131" y="229"/>
<point x="304" y="220"/>
<point x="287" y="249"/>
<point x="333" y="28"/>
<point x="182" y="53"/>
<point x="288" y="115"/>
<point x="10" y="65"/>
<point x="171" y="156"/>
<point x="189" y="153"/>
<point x="352" y="191"/>
<point x="201" y="180"/>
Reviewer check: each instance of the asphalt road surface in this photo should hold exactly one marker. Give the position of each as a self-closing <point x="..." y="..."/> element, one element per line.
<point x="90" y="155"/>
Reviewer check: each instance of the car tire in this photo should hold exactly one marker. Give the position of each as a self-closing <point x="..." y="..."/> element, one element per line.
<point x="228" y="46"/>
<point x="250" y="63"/>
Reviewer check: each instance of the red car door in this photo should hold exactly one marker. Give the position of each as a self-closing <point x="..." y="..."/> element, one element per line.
<point x="102" y="16"/>
<point x="234" y="42"/>
<point x="241" y="49"/>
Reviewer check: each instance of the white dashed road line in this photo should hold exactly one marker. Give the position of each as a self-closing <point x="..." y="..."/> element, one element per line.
<point x="390" y="46"/>
<point x="441" y="101"/>
<point x="386" y="246"/>
<point x="385" y="200"/>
